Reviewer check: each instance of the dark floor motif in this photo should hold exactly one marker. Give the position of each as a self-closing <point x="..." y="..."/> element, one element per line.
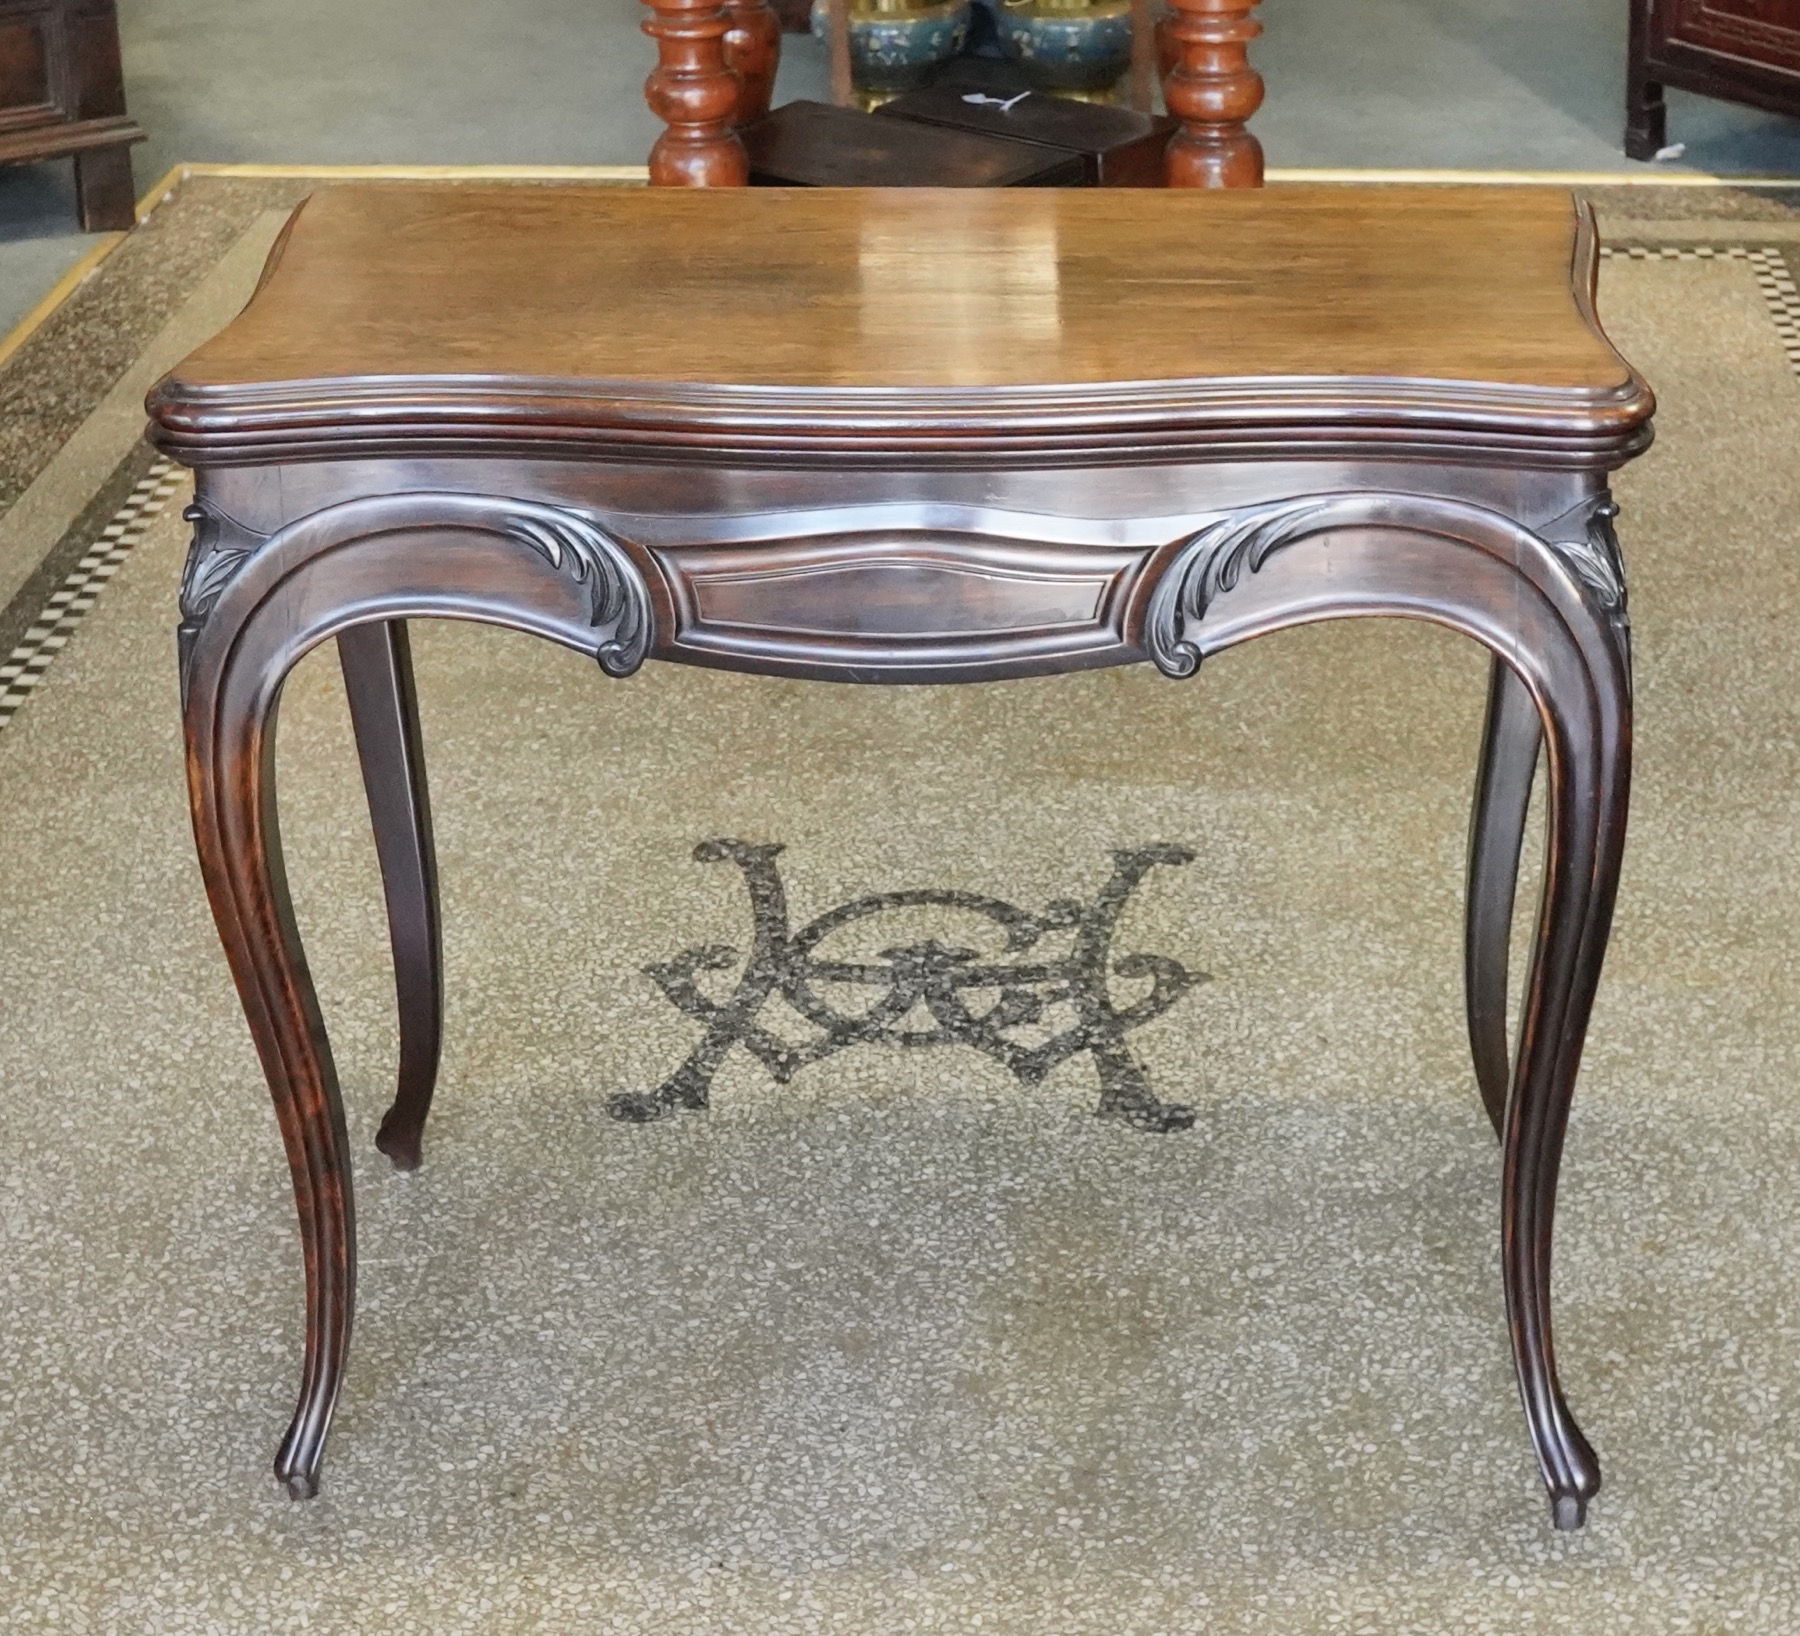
<point x="944" y="979"/>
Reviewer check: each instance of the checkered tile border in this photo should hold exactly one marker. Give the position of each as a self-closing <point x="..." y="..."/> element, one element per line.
<point x="1768" y="264"/>
<point x="50" y="632"/>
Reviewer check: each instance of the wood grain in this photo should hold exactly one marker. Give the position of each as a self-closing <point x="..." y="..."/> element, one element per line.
<point x="918" y="323"/>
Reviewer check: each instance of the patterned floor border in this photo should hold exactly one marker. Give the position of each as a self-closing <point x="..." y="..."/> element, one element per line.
<point x="25" y="666"/>
<point x="1766" y="261"/>
<point x="50" y="632"/>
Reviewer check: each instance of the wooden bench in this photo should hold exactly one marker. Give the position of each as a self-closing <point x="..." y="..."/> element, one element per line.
<point x="1147" y="427"/>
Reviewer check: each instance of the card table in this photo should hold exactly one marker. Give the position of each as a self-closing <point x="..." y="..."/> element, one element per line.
<point x="910" y="436"/>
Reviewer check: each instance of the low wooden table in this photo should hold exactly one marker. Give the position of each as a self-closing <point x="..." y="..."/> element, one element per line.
<point x="909" y="436"/>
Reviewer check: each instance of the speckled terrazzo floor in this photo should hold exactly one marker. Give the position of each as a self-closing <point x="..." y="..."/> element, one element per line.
<point x="908" y="1344"/>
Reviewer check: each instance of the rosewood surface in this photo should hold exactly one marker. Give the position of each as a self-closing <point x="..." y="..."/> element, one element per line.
<point x="910" y="437"/>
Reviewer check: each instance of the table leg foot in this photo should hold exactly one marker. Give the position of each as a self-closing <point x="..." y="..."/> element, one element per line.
<point x="378" y="680"/>
<point x="1569" y="1512"/>
<point x="302" y="1485"/>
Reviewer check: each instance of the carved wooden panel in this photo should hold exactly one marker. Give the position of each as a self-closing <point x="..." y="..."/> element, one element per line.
<point x="1742" y="50"/>
<point x="904" y="603"/>
<point x="27" y="59"/>
<point x="1766" y="31"/>
<point x="62" y="92"/>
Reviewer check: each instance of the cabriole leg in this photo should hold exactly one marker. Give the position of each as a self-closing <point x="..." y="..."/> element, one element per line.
<point x="1554" y="614"/>
<point x="378" y="679"/>
<point x="1589" y="735"/>
<point x="231" y="781"/>
<point x="1510" y="742"/>
<point x="252" y="607"/>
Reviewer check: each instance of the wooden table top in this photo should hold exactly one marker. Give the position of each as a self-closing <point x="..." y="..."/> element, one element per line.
<point x="1047" y="324"/>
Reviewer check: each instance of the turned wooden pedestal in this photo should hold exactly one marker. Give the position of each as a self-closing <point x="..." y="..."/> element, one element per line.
<point x="1182" y="420"/>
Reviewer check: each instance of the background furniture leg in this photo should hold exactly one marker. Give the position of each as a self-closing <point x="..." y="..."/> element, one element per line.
<point x="378" y="678"/>
<point x="1510" y="740"/>
<point x="753" y="53"/>
<point x="104" y="193"/>
<point x="1213" y="90"/>
<point x="1143" y="57"/>
<point x="1646" y="118"/>
<point x="843" y="86"/>
<point x="694" y="92"/>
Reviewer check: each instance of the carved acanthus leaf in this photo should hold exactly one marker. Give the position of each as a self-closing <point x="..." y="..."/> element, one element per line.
<point x="1210" y="563"/>
<point x="220" y="547"/>
<point x="1594" y="553"/>
<point x="619" y="604"/>
<point x="579" y="548"/>
<point x="1585" y="539"/>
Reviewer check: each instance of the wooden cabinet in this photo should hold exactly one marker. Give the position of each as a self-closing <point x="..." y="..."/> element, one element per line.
<point x="62" y="92"/>
<point x="1742" y="50"/>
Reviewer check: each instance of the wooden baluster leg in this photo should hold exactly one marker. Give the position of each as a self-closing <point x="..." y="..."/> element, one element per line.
<point x="753" y="53"/>
<point x="378" y="678"/>
<point x="230" y="728"/>
<point x="1213" y="91"/>
<point x="1509" y="751"/>
<point x="695" y="93"/>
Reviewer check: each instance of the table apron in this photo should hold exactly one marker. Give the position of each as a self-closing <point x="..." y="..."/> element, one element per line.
<point x="930" y="576"/>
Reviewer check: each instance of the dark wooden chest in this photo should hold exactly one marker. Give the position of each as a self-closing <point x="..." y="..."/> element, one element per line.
<point x="1741" y="50"/>
<point x="62" y="92"/>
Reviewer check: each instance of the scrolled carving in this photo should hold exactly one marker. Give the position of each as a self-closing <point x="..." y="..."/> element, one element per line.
<point x="618" y="602"/>
<point x="579" y="548"/>
<point x="1586" y="540"/>
<point x="220" y="547"/>
<point x="1212" y="561"/>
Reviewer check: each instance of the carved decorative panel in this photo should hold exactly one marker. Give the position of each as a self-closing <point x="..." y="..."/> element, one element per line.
<point x="901" y="601"/>
<point x="1766" y="31"/>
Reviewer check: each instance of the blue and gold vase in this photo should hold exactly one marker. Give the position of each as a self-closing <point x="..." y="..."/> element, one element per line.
<point x="895" y="44"/>
<point x="1076" y="47"/>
